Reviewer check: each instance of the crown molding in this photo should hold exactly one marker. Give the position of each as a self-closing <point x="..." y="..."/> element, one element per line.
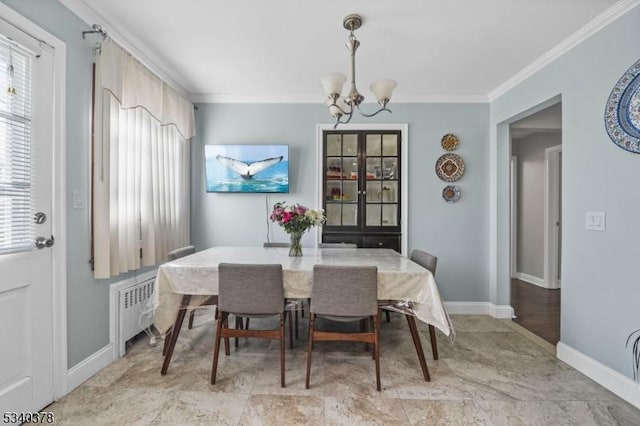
<point x="127" y="41"/>
<point x="317" y="99"/>
<point x="599" y="22"/>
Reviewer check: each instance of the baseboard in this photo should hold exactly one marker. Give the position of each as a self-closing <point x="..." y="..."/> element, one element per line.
<point x="617" y="383"/>
<point x="530" y="279"/>
<point x="479" y="308"/>
<point x="85" y="369"/>
<point x="501" y="311"/>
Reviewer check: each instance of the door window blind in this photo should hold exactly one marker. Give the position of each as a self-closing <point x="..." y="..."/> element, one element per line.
<point x="15" y="149"/>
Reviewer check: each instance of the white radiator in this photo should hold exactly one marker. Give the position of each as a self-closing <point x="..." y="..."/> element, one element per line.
<point x="135" y="311"/>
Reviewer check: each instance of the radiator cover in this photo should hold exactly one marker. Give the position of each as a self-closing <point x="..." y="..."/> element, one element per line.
<point x="135" y="311"/>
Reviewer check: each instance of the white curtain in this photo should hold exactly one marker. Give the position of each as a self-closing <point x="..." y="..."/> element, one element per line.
<point x="141" y="167"/>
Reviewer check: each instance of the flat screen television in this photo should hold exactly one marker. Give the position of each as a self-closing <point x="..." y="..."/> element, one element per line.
<point x="247" y="168"/>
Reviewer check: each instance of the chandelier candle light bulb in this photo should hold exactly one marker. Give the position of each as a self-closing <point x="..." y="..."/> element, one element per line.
<point x="333" y="83"/>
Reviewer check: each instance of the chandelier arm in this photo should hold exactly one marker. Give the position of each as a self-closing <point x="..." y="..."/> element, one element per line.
<point x="338" y="121"/>
<point x="375" y="113"/>
<point x="333" y="104"/>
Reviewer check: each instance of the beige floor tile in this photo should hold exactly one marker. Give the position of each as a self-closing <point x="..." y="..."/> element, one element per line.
<point x="357" y="410"/>
<point x="492" y="374"/>
<point x="283" y="410"/>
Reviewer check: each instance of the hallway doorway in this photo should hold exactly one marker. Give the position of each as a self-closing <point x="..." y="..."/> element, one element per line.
<point x="536" y="165"/>
<point x="537" y="309"/>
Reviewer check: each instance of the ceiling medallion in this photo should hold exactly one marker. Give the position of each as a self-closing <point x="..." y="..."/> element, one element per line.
<point x="622" y="113"/>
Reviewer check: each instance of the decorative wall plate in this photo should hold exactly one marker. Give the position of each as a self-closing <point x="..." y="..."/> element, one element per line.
<point x="449" y="167"/>
<point x="622" y="113"/>
<point x="449" y="142"/>
<point x="451" y="193"/>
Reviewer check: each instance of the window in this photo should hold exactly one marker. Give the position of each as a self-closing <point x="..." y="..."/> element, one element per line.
<point x="141" y="173"/>
<point x="15" y="149"/>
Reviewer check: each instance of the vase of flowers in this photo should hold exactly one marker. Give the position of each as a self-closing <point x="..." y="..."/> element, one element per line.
<point x="296" y="220"/>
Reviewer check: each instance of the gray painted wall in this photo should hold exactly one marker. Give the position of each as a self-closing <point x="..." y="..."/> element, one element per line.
<point x="456" y="233"/>
<point x="530" y="159"/>
<point x="87" y="299"/>
<point x="599" y="271"/>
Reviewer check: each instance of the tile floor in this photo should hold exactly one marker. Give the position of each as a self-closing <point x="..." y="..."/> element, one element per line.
<point x="496" y="373"/>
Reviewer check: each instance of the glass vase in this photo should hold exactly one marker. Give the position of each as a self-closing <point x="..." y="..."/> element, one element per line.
<point x="296" y="248"/>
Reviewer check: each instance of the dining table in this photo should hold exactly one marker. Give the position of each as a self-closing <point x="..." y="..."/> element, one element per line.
<point x="190" y="281"/>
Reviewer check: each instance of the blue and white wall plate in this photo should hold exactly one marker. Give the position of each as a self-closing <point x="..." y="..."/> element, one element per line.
<point x="622" y="113"/>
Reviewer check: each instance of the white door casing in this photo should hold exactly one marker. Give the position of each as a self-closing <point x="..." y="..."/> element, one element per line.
<point x="26" y="290"/>
<point x="552" y="216"/>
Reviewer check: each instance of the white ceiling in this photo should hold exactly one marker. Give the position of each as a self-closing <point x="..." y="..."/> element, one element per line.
<point x="275" y="51"/>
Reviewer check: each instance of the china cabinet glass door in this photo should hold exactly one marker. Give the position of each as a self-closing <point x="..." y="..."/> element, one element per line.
<point x="342" y="192"/>
<point x="381" y="177"/>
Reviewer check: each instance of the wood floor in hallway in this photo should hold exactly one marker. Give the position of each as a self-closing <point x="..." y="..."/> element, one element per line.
<point x="537" y="309"/>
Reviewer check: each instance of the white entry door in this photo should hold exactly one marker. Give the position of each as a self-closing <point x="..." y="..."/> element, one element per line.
<point x="26" y="186"/>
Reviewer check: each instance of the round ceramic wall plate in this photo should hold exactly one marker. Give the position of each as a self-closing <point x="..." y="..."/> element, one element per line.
<point x="449" y="142"/>
<point x="450" y="167"/>
<point x="451" y="193"/>
<point x="622" y="113"/>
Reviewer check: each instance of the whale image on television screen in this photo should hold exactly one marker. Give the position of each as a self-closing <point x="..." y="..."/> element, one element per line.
<point x="247" y="168"/>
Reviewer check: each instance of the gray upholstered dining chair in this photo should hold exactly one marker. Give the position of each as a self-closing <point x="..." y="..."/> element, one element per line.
<point x="292" y="305"/>
<point x="238" y="286"/>
<point x="177" y="254"/>
<point x="345" y="293"/>
<point x="213" y="300"/>
<point x="337" y="245"/>
<point x="428" y="262"/>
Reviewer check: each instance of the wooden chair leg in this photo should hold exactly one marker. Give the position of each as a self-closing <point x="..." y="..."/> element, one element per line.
<point x="216" y="350"/>
<point x="167" y="338"/>
<point x="225" y="324"/>
<point x="296" y="320"/>
<point x="290" y="314"/>
<point x="434" y="343"/>
<point x="192" y="314"/>
<point x="386" y="314"/>
<point x="175" y="331"/>
<point x="413" y="328"/>
<point x="312" y="318"/>
<point x="376" y="349"/>
<point x="240" y="326"/>
<point x="282" y="320"/>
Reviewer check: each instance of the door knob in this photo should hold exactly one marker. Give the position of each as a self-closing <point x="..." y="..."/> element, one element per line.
<point x="42" y="242"/>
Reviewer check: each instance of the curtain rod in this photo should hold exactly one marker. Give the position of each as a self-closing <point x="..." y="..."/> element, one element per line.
<point x="140" y="57"/>
<point x="95" y="29"/>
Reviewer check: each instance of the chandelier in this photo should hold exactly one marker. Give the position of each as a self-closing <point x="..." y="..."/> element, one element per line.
<point x="344" y="106"/>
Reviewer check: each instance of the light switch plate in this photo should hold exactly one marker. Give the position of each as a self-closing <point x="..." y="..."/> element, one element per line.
<point x="595" y="221"/>
<point x="78" y="199"/>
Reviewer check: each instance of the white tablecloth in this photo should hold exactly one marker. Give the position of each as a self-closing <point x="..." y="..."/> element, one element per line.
<point x="399" y="278"/>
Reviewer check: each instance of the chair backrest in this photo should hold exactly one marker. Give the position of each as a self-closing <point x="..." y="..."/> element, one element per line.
<point x="337" y="245"/>
<point x="424" y="259"/>
<point x="344" y="291"/>
<point x="181" y="252"/>
<point x="276" y="245"/>
<point x="250" y="289"/>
